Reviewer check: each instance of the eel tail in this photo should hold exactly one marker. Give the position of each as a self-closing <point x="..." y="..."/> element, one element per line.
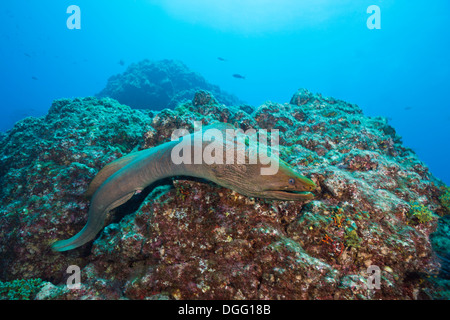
<point x="85" y="235"/>
<point x="95" y="223"/>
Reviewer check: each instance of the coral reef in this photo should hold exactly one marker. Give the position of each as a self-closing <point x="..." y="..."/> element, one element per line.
<point x="190" y="239"/>
<point x="160" y="84"/>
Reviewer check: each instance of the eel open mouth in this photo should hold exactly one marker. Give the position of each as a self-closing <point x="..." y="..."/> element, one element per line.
<point x="289" y="194"/>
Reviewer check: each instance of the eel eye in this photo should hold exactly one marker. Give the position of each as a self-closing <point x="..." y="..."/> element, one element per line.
<point x="291" y="181"/>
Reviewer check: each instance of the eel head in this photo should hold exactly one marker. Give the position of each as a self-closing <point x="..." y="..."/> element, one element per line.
<point x="287" y="185"/>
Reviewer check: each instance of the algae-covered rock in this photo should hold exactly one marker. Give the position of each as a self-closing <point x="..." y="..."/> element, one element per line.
<point x="47" y="164"/>
<point x="376" y="205"/>
<point x="160" y="84"/>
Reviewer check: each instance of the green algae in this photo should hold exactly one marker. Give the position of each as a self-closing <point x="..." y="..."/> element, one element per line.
<point x="421" y="213"/>
<point x="352" y="239"/>
<point x="23" y="289"/>
<point x="445" y="198"/>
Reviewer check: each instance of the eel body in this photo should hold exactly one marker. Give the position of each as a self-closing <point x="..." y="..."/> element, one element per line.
<point x="118" y="181"/>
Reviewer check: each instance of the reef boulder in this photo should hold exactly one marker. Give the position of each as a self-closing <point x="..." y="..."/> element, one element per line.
<point x="160" y="84"/>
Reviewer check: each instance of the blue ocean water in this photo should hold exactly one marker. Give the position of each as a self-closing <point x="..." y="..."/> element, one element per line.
<point x="400" y="71"/>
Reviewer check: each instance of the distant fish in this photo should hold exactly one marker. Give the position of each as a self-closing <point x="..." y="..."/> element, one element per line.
<point x="408" y="108"/>
<point x="221" y="59"/>
<point x="27" y="54"/>
<point x="238" y="76"/>
<point x="34" y="78"/>
<point x="121" y="62"/>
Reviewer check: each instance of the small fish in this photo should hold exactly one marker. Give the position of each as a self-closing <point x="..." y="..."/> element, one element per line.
<point x="34" y="78"/>
<point x="238" y="76"/>
<point x="221" y="59"/>
<point x="27" y="54"/>
<point x="121" y="62"/>
<point x="408" y="108"/>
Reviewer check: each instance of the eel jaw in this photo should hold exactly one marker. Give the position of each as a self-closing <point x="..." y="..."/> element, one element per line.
<point x="300" y="191"/>
<point x="288" y="195"/>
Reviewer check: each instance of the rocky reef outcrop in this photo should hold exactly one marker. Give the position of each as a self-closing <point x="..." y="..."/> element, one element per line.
<point x="376" y="206"/>
<point x="160" y="84"/>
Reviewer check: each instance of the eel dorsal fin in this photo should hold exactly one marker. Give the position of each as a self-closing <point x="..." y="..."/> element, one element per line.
<point x="108" y="171"/>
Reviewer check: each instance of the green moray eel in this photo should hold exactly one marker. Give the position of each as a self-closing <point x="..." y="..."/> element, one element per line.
<point x="118" y="181"/>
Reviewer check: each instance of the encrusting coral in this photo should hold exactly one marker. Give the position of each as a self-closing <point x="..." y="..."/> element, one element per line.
<point x="20" y="289"/>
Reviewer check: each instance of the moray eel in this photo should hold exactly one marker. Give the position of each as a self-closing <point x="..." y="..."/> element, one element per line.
<point x="118" y="181"/>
